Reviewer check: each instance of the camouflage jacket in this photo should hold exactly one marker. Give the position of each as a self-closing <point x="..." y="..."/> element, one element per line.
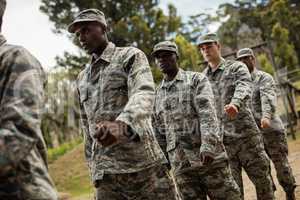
<point x="118" y="86"/>
<point x="185" y="120"/>
<point x="231" y="83"/>
<point x="264" y="100"/>
<point x="23" y="170"/>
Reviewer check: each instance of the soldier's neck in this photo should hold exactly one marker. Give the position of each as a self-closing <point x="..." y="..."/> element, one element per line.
<point x="172" y="74"/>
<point x="98" y="52"/>
<point x="214" y="64"/>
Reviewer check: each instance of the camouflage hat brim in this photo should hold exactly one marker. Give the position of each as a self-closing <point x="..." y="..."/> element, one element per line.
<point x="206" y="41"/>
<point x="243" y="56"/>
<point x="154" y="53"/>
<point x="71" y="27"/>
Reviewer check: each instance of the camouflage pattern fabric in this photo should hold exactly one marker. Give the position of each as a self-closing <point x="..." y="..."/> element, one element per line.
<point x="231" y="83"/>
<point x="119" y="86"/>
<point x="23" y="153"/>
<point x="264" y="101"/>
<point x="217" y="183"/>
<point x="186" y="125"/>
<point x="149" y="184"/>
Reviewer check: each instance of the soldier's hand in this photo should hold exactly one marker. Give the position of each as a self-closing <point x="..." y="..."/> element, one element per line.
<point x="206" y="158"/>
<point x="110" y="132"/>
<point x="265" y="123"/>
<point x="231" y="110"/>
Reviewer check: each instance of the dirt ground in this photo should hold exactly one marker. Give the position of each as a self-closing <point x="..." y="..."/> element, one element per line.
<point x="294" y="158"/>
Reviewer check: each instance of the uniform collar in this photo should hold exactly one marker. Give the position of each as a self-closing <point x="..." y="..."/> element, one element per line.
<point x="106" y="54"/>
<point x="2" y="39"/>
<point x="254" y="74"/>
<point x="179" y="77"/>
<point x="221" y="66"/>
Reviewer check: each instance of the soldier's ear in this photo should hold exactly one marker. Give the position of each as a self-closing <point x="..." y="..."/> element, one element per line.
<point x="218" y="45"/>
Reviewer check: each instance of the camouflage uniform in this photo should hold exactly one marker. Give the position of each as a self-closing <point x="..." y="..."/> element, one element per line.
<point x="231" y="84"/>
<point x="264" y="106"/>
<point x="23" y="154"/>
<point x="186" y="124"/>
<point x="119" y="86"/>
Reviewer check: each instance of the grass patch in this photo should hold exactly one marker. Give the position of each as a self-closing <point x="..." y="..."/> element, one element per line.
<point x="71" y="175"/>
<point x="55" y="153"/>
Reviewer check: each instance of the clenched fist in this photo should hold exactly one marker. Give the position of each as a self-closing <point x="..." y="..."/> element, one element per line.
<point x="231" y="110"/>
<point x="111" y="132"/>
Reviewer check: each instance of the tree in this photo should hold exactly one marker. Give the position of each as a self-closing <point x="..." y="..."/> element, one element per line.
<point x="265" y="63"/>
<point x="285" y="55"/>
<point x="139" y="23"/>
<point x="188" y="54"/>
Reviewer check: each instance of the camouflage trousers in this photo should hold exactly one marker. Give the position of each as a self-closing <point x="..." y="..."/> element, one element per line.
<point x="217" y="183"/>
<point x="12" y="187"/>
<point x="249" y="153"/>
<point x="149" y="184"/>
<point x="277" y="150"/>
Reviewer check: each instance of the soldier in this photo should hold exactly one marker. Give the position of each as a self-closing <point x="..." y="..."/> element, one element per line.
<point x="23" y="153"/>
<point x="264" y="100"/>
<point x="116" y="94"/>
<point x="231" y="83"/>
<point x="187" y="130"/>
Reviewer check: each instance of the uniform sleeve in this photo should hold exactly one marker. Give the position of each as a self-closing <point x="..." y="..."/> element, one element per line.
<point x="88" y="141"/>
<point x="205" y="108"/>
<point x="20" y="108"/>
<point x="268" y="96"/>
<point x="243" y="84"/>
<point x="140" y="83"/>
<point x="159" y="132"/>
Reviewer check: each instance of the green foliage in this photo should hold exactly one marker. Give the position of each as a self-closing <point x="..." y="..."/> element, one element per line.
<point x="189" y="55"/>
<point x="55" y="153"/>
<point x="139" y="23"/>
<point x="60" y="121"/>
<point x="265" y="64"/>
<point x="285" y="54"/>
<point x="262" y="15"/>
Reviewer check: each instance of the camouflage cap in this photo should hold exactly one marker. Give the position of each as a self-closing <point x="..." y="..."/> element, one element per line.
<point x="165" y="46"/>
<point x="244" y="53"/>
<point x="88" y="15"/>
<point x="207" y="38"/>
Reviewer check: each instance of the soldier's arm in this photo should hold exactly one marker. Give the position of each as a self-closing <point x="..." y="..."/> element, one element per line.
<point x="159" y="133"/>
<point x="205" y="108"/>
<point x="138" y="110"/>
<point x="268" y="96"/>
<point x="243" y="84"/>
<point x="88" y="141"/>
<point x="20" y="108"/>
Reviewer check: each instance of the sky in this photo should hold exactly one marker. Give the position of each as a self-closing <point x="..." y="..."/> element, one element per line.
<point x="25" y="25"/>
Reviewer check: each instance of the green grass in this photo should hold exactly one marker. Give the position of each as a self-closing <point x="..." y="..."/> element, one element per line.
<point x="55" y="153"/>
<point x="71" y="175"/>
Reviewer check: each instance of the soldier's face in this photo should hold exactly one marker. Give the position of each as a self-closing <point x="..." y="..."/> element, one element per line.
<point x="91" y="36"/>
<point x="249" y="61"/>
<point x="210" y="51"/>
<point x="166" y="61"/>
